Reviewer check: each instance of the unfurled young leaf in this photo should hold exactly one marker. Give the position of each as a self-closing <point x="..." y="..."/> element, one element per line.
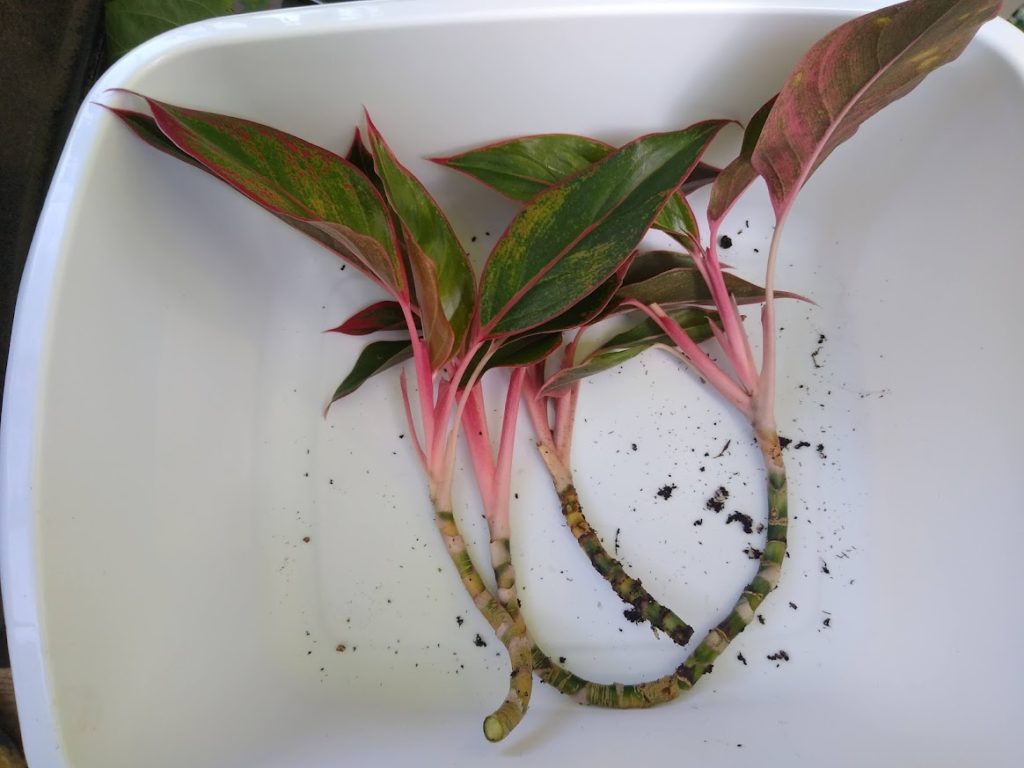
<point x="523" y="168"/>
<point x="382" y="316"/>
<point x="684" y="285"/>
<point x="313" y="190"/>
<point x="739" y="174"/>
<point x="377" y="356"/>
<point x="429" y="235"/>
<point x="852" y="73"/>
<point x="629" y="344"/>
<point x="573" y="236"/>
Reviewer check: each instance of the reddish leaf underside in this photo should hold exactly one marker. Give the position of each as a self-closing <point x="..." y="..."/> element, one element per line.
<point x="381" y="316"/>
<point x="852" y="73"/>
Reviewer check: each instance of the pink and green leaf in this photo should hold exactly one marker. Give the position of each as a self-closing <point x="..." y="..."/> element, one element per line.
<point x="524" y="167"/>
<point x="739" y="174"/>
<point x="630" y="343"/>
<point x="685" y="285"/>
<point x="312" y="189"/>
<point x="852" y="73"/>
<point x="437" y="330"/>
<point x="573" y="236"/>
<point x="376" y="357"/>
<point x="381" y="316"/>
<point x="425" y="225"/>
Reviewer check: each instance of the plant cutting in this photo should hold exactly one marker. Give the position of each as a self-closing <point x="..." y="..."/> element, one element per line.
<point x="553" y="256"/>
<point x="846" y="77"/>
<point x="563" y="263"/>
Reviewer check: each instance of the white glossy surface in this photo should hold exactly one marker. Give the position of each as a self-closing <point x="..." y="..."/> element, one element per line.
<point x="164" y="453"/>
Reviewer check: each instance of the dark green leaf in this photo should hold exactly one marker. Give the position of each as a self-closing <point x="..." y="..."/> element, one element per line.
<point x="515" y="353"/>
<point x="680" y="286"/>
<point x="852" y="73"/>
<point x="631" y="343"/>
<point x="650" y="263"/>
<point x="376" y="357"/>
<point x="523" y="168"/>
<point x="425" y="224"/>
<point x="312" y="189"/>
<point x="573" y="236"/>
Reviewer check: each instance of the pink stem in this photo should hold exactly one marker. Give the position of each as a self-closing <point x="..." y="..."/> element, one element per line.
<point x="448" y="466"/>
<point x="446" y="401"/>
<point x="537" y="409"/>
<point x="478" y="439"/>
<point x="565" y="407"/>
<point x="738" y="346"/>
<point x="503" y="470"/>
<point x="424" y="377"/>
<point x="764" y="403"/>
<point x="696" y="357"/>
<point x="404" y="383"/>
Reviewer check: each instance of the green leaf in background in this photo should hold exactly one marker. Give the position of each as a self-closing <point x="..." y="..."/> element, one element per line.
<point x="573" y="236"/>
<point x="523" y="168"/>
<point x="852" y="73"/>
<point x="133" y="22"/>
<point x="376" y="357"/>
<point x="630" y="343"/>
<point x="312" y="189"/>
<point x="428" y="234"/>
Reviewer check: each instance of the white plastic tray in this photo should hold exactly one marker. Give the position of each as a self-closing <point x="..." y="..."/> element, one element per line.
<point x="164" y="455"/>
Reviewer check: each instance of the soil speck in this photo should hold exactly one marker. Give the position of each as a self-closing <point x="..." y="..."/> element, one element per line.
<point x="717" y="502"/>
<point x="666" y="491"/>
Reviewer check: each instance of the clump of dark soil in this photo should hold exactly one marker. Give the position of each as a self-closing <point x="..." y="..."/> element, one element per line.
<point x="666" y="491"/>
<point x="717" y="502"/>
<point x="743" y="519"/>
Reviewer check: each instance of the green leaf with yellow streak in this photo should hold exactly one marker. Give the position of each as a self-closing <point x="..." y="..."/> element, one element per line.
<point x="445" y="280"/>
<point x="312" y="189"/>
<point x="524" y="167"/>
<point x="573" y="236"/>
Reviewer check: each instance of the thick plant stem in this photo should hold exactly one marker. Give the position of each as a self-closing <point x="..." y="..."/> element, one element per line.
<point x="718" y="638"/>
<point x="701" y="661"/>
<point x="612" y="695"/>
<point x="629" y="589"/>
<point x="510" y="632"/>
